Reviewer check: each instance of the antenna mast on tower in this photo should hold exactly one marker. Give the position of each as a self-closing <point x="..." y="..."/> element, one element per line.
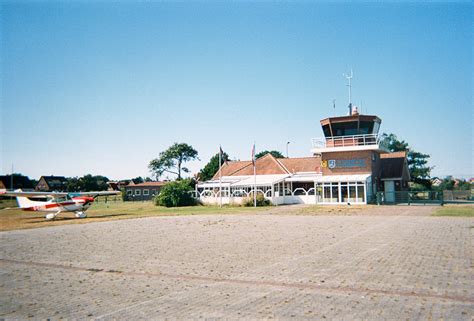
<point x="349" y="78"/>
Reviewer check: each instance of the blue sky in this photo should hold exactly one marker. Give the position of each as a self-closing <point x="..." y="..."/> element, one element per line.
<point x="103" y="87"/>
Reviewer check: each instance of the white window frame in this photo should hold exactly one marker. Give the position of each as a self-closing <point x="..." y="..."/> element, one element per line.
<point x="138" y="192"/>
<point x="146" y="192"/>
<point x="129" y="192"/>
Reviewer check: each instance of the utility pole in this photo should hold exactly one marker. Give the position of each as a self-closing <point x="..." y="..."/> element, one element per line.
<point x="287" y="143"/>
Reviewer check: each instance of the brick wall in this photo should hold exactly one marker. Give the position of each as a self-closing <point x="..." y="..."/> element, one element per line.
<point x="366" y="156"/>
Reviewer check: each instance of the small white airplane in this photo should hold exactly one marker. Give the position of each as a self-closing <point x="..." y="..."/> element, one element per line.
<point x="56" y="202"/>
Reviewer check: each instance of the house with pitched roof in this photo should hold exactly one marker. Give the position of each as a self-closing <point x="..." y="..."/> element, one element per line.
<point x="349" y="165"/>
<point x="19" y="182"/>
<point x="52" y="184"/>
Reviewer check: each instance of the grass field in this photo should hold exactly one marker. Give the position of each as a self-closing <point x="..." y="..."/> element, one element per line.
<point x="455" y="210"/>
<point x="13" y="219"/>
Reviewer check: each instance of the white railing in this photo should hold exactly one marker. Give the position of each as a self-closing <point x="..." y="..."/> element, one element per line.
<point x="344" y="141"/>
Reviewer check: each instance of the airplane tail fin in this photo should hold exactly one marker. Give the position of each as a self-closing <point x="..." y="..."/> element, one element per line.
<point x="24" y="202"/>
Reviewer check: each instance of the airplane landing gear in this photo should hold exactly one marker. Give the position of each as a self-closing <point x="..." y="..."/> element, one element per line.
<point x="81" y="215"/>
<point x="51" y="216"/>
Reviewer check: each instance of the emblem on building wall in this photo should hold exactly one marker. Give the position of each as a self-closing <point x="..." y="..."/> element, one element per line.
<point x="331" y="163"/>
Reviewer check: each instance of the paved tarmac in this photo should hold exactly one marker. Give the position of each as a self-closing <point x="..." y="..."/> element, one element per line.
<point x="406" y="265"/>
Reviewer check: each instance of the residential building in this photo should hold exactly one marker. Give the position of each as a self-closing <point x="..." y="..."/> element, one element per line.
<point x="143" y="191"/>
<point x="19" y="182"/>
<point x="118" y="185"/>
<point x="52" y="184"/>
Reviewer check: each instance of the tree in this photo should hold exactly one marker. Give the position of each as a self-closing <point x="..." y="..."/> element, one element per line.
<point x="87" y="183"/>
<point x="176" y="194"/>
<point x="212" y="167"/>
<point x="447" y="184"/>
<point x="417" y="162"/>
<point x="274" y="153"/>
<point x="172" y="159"/>
<point x="73" y="184"/>
<point x="137" y="180"/>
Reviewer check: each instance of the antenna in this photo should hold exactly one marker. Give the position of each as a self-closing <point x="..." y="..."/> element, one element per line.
<point x="349" y="78"/>
<point x="334" y="106"/>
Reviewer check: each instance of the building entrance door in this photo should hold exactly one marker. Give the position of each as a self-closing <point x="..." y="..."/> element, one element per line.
<point x="389" y="187"/>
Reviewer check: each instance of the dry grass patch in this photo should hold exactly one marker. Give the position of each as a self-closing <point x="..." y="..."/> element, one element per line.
<point x="455" y="210"/>
<point x="14" y="219"/>
<point x="333" y="210"/>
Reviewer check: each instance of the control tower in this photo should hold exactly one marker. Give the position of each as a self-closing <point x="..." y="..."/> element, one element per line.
<point x="355" y="132"/>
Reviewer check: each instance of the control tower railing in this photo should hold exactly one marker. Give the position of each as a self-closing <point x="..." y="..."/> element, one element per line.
<point x="346" y="141"/>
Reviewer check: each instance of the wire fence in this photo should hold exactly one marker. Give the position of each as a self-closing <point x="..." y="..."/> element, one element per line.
<point x="425" y="197"/>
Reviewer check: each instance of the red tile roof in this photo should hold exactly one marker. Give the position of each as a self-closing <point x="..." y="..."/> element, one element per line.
<point x="303" y="164"/>
<point x="148" y="184"/>
<point x="269" y="165"/>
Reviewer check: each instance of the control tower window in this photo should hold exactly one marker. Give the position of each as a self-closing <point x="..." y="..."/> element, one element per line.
<point x="327" y="131"/>
<point x="366" y="127"/>
<point x="344" y="129"/>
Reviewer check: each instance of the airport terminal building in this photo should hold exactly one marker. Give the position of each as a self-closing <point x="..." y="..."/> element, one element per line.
<point x="350" y="164"/>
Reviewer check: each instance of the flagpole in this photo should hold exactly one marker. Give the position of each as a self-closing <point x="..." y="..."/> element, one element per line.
<point x="254" y="177"/>
<point x="220" y="177"/>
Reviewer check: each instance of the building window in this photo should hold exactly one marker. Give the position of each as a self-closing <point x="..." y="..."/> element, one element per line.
<point x="153" y="192"/>
<point x="129" y="192"/>
<point x="360" y="192"/>
<point x="146" y="192"/>
<point x="138" y="192"/>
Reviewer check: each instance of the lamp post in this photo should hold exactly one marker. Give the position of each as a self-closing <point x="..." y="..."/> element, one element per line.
<point x="287" y="143"/>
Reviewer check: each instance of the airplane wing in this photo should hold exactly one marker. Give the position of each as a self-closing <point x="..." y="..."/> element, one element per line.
<point x="58" y="194"/>
<point x="94" y="194"/>
<point x="34" y="194"/>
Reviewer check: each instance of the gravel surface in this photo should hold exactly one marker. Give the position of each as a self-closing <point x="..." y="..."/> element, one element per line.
<point x="392" y="263"/>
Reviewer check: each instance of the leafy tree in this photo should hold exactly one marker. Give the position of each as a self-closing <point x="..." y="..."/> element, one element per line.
<point x="275" y="154"/>
<point x="87" y="183"/>
<point x="417" y="162"/>
<point x="450" y="184"/>
<point x="176" y="194"/>
<point x="19" y="181"/>
<point x="93" y="183"/>
<point x="123" y="194"/>
<point x="463" y="185"/>
<point x="137" y="180"/>
<point x="73" y="184"/>
<point x="447" y="184"/>
<point x="172" y="159"/>
<point x="212" y="167"/>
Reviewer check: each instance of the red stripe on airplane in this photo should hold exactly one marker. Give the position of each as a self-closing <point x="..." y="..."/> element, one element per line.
<point x="59" y="204"/>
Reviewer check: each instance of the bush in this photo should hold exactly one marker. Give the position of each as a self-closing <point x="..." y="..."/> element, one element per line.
<point x="176" y="194"/>
<point x="261" y="200"/>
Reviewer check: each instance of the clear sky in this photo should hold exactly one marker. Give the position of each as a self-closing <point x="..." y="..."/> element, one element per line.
<point x="103" y="87"/>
